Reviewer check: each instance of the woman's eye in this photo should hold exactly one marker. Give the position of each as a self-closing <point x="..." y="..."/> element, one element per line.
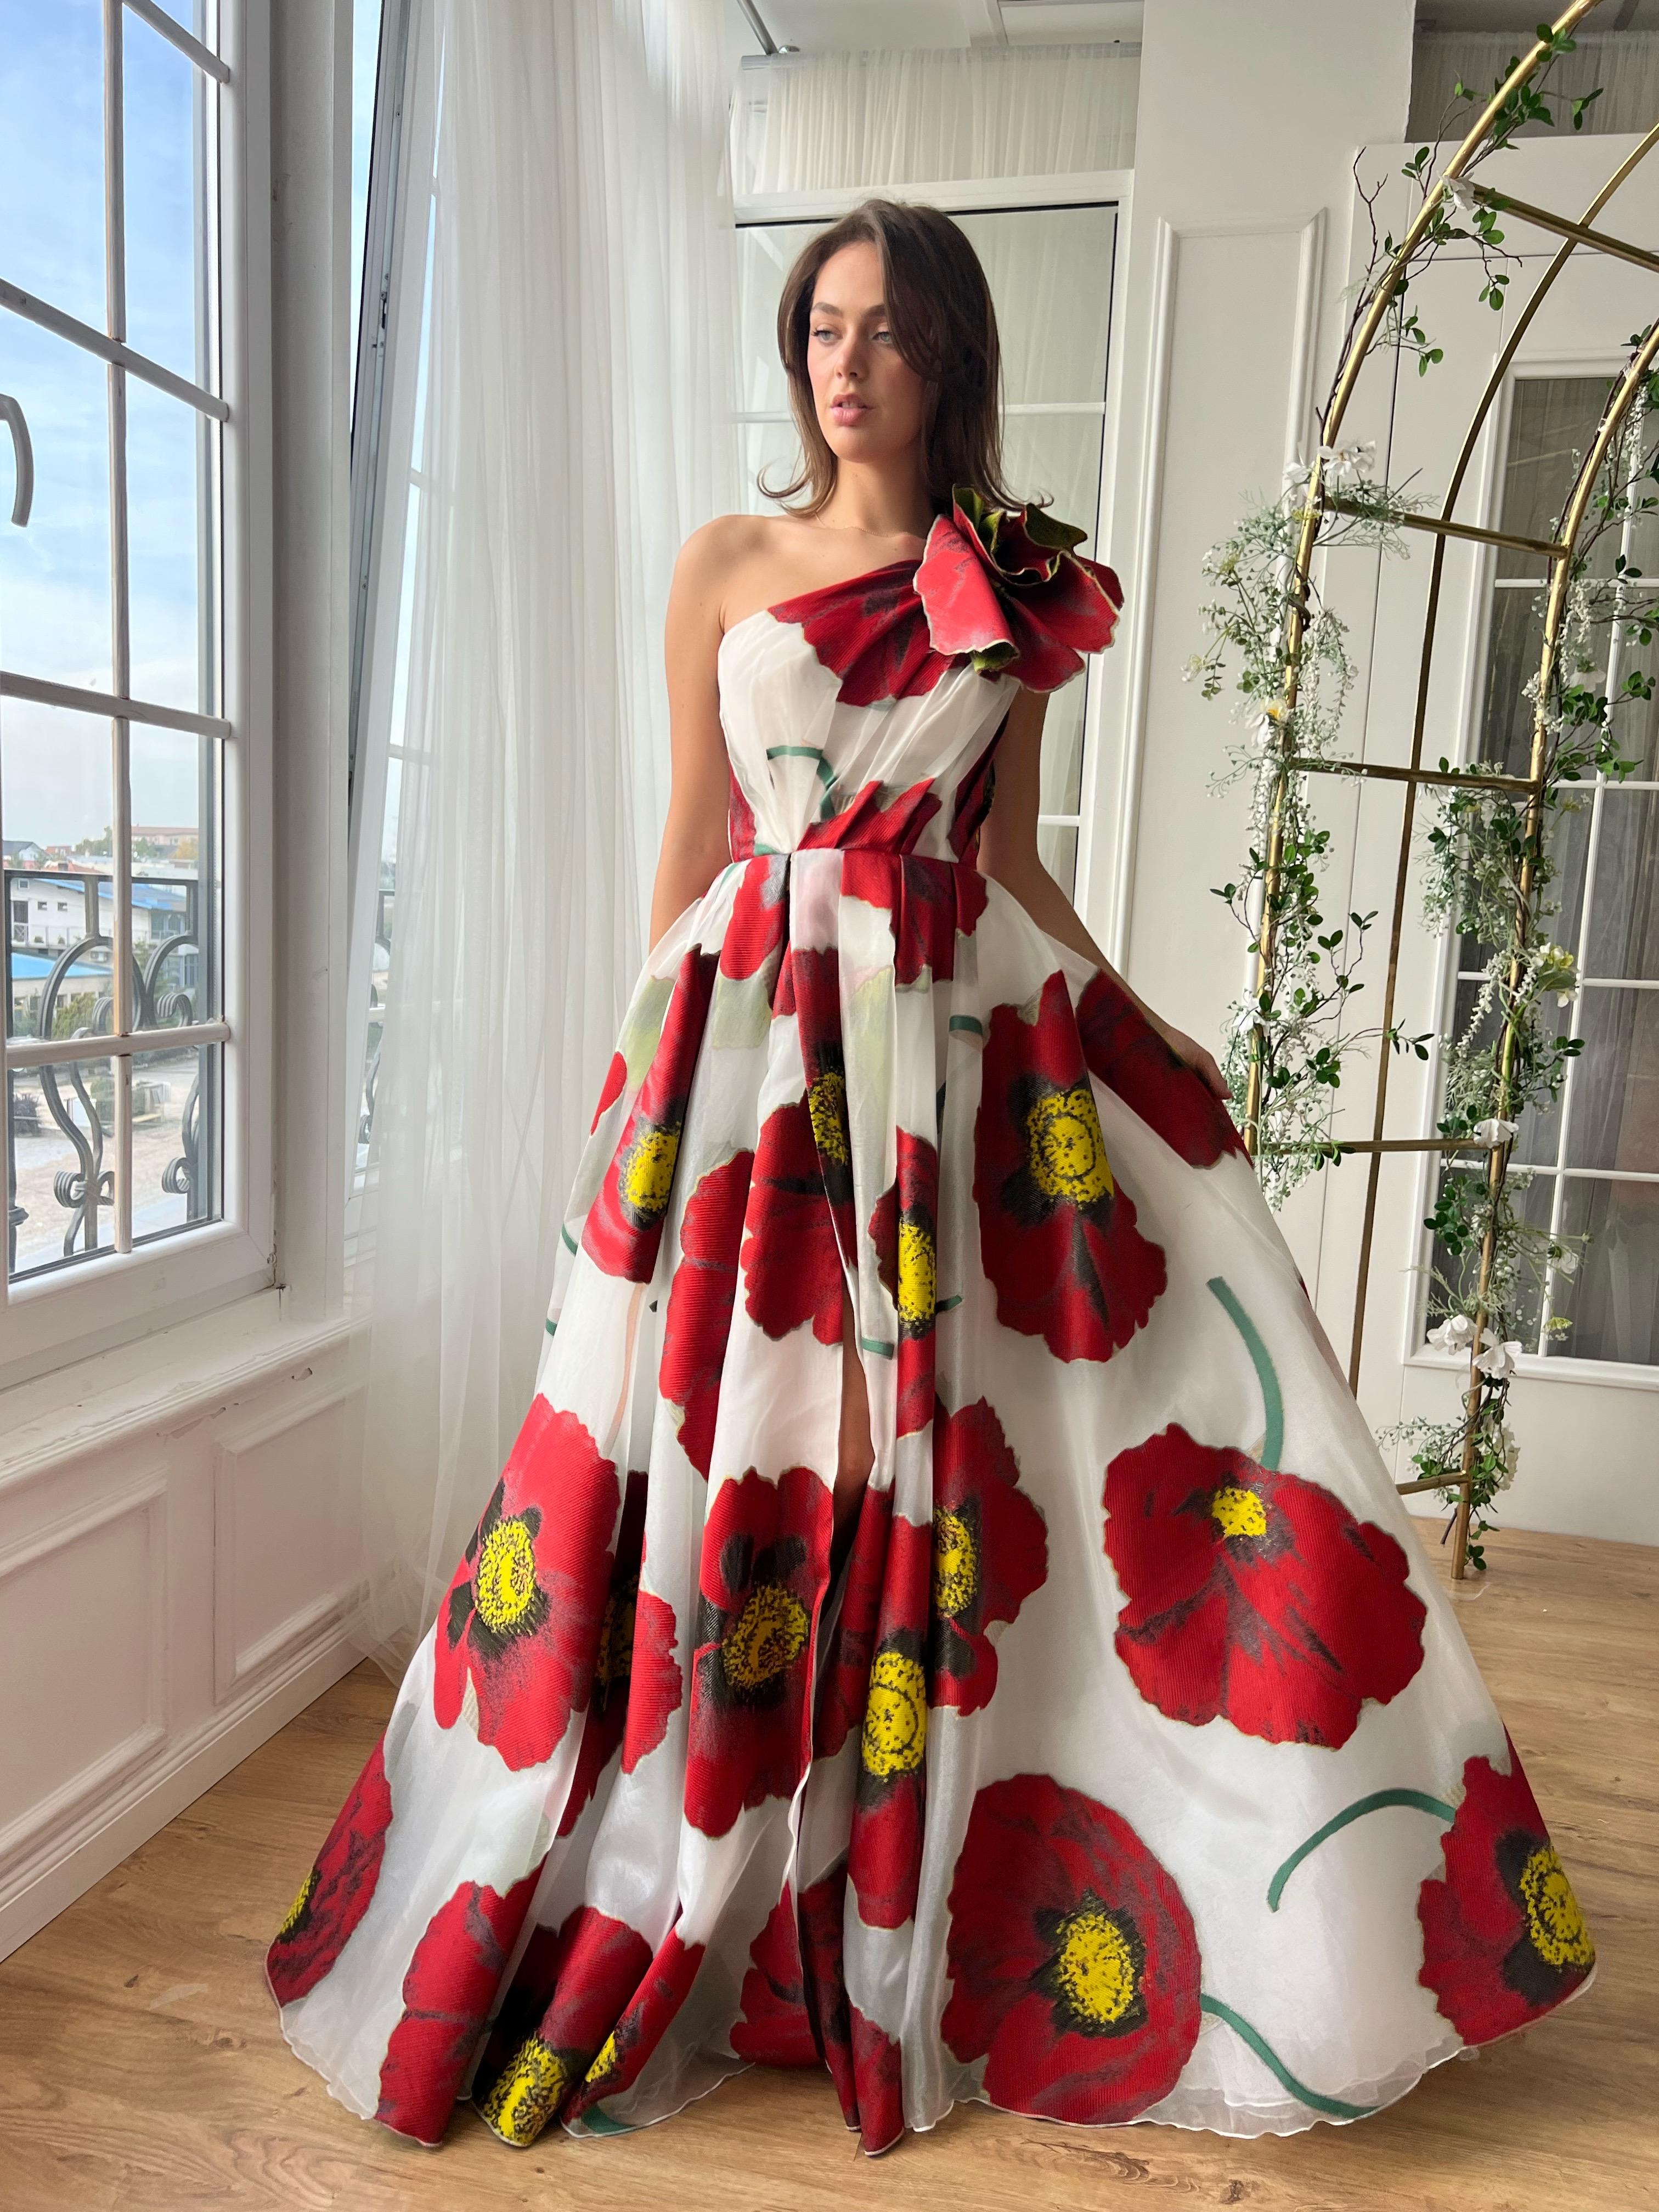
<point x="824" y="333"/>
<point x="886" y="336"/>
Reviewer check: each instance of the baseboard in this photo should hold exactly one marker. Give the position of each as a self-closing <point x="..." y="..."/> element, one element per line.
<point x="69" y="1866"/>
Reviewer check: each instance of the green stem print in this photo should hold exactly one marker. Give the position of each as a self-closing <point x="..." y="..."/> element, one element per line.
<point x="1332" y="2106"/>
<point x="1416" y="1798"/>
<point x="1272" y="1404"/>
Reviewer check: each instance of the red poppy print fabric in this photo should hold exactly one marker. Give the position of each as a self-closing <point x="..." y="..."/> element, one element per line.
<point x="521" y="1624"/>
<point x="765" y="1557"/>
<point x="1103" y="1704"/>
<point x="1503" y="1939"/>
<point x="1073" y="1961"/>
<point x="1254" y="1595"/>
<point x="335" y="1893"/>
<point x="1058" y="1237"/>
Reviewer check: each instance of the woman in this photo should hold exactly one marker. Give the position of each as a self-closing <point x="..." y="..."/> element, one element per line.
<point x="943" y="1618"/>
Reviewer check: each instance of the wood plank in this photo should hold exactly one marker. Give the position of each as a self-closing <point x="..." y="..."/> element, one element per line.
<point x="141" y="2065"/>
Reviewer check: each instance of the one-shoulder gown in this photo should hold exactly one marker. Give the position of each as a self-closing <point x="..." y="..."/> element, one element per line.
<point x="1132" y="1765"/>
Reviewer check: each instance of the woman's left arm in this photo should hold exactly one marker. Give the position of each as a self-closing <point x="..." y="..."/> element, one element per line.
<point x="1008" y="853"/>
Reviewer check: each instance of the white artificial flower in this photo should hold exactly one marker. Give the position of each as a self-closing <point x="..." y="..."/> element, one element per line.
<point x="1494" y="1132"/>
<point x="1348" y="464"/>
<point x="1455" y="1334"/>
<point x="1567" y="1263"/>
<point x="1512" y="1454"/>
<point x="1460" y="197"/>
<point x="1244" y="1021"/>
<point x="1499" y="1361"/>
<point x="1554" y="968"/>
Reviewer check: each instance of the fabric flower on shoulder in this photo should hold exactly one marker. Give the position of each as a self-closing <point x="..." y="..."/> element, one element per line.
<point x="1005" y="585"/>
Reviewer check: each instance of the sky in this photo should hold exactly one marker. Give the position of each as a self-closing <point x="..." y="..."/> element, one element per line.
<point x="54" y="575"/>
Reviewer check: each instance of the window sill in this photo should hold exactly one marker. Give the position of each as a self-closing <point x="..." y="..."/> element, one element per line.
<point x="165" y="1382"/>
<point x="1532" y="1367"/>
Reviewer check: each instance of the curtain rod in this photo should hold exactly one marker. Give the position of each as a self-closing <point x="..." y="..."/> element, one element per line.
<point x="788" y="57"/>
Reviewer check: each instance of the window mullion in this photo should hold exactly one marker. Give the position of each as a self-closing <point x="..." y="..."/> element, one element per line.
<point x="120" y="625"/>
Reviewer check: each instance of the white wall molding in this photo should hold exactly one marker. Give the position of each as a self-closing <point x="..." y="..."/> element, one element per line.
<point x="41" y="1825"/>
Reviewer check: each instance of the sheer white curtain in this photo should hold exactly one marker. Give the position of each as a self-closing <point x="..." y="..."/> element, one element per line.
<point x="884" y="118"/>
<point x="578" y="384"/>
<point x="1624" y="64"/>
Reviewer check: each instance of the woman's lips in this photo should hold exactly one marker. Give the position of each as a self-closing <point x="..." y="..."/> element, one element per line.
<point x="848" y="411"/>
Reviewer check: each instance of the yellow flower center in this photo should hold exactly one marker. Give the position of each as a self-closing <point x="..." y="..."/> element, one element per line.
<point x="956" y="1562"/>
<point x="504" y="1580"/>
<point x="896" y="1715"/>
<point x="1067" y="1152"/>
<point x="605" y="2063"/>
<point x="530" y="2092"/>
<point x="297" y="1908"/>
<point x="1095" y="1968"/>
<point x="648" y="1172"/>
<point x="766" y="1636"/>
<point x="616" y="1655"/>
<point x="918" y="1282"/>
<point x="1238" y="1512"/>
<point x="826" y="1102"/>
<point x="1553" y="1920"/>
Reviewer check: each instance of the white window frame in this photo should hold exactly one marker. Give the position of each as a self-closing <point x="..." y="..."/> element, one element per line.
<point x="988" y="195"/>
<point x="50" y="1320"/>
<point x="1561" y="1366"/>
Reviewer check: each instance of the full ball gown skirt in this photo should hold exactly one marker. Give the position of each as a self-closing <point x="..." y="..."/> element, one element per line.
<point x="1133" y="1767"/>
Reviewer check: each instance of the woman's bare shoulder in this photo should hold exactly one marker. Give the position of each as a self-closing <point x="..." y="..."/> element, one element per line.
<point x="733" y="562"/>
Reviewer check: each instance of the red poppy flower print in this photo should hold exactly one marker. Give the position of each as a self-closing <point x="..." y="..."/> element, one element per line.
<point x="567" y="1991"/>
<point x="636" y="1678"/>
<point x="1253" y="1594"/>
<point x="335" y="1894"/>
<point x="973" y="799"/>
<point x="765" y="1561"/>
<point x="882" y="818"/>
<point x="815" y="996"/>
<point x="740" y="821"/>
<point x="878" y="2072"/>
<point x="616" y="1081"/>
<point x="774" y="2030"/>
<point x="621" y="2058"/>
<point x="885" y="1855"/>
<point x="822" y="1924"/>
<point x="700" y="1296"/>
<point x="1128" y="1055"/>
<point x="871" y="633"/>
<point x="448" y="1991"/>
<point x="1005" y="585"/>
<point x="1504" y="1940"/>
<point x="759" y="919"/>
<point x="1058" y="1238"/>
<point x="990" y="1552"/>
<point x="844" y="1687"/>
<point x="791" y="1264"/>
<point x="926" y="902"/>
<point x="625" y="1224"/>
<point x="522" y="1618"/>
<point x="1072" y="1956"/>
<point x="904" y="1231"/>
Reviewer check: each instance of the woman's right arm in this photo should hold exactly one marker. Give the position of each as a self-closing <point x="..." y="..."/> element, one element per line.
<point x="695" y="844"/>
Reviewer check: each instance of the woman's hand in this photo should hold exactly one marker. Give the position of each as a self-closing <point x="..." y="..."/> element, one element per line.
<point x="1188" y="1048"/>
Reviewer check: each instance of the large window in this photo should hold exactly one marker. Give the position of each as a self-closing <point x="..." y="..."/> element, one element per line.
<point x="1050" y="270"/>
<point x="1594" y="1160"/>
<point x="125" y="313"/>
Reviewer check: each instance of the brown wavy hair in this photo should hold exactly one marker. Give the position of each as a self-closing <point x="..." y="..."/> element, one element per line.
<point x="940" y="311"/>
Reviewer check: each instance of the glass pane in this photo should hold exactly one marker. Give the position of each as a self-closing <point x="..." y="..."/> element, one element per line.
<point x="51" y="154"/>
<point x="192" y="13"/>
<point x="170" y="551"/>
<point x="1062" y="750"/>
<point x="1553" y="420"/>
<point x="1513" y="654"/>
<point x="176" y="1124"/>
<point x="1615" y="1106"/>
<point x="771" y="450"/>
<point x="55" y="795"/>
<point x="1538" y="1138"/>
<point x="365" y="56"/>
<point x="1050" y="274"/>
<point x="1057" y="850"/>
<point x="1056" y="458"/>
<point x="1623" y="930"/>
<point x="175" y="877"/>
<point x="1612" y="1301"/>
<point x="164" y="105"/>
<point x="765" y="251"/>
<point x="54" y="575"/>
<point x="62" y="1158"/>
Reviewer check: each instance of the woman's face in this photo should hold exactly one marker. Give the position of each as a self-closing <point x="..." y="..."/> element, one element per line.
<point x="870" y="403"/>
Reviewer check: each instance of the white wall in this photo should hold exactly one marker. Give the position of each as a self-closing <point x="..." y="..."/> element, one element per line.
<point x="177" y="1537"/>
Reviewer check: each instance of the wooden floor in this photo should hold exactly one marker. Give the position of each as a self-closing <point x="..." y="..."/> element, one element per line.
<point x="141" y="2066"/>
